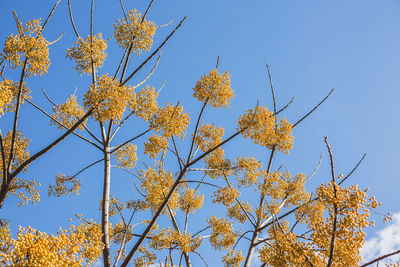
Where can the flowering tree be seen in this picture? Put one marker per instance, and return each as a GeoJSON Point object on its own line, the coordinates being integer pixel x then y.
{"type": "Point", "coordinates": [287, 225]}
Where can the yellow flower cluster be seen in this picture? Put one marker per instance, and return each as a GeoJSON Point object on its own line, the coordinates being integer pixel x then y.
{"type": "Point", "coordinates": [285, 249]}
{"type": "Point", "coordinates": [88, 51]}
{"type": "Point", "coordinates": [189, 201]}
{"type": "Point", "coordinates": [155, 145]}
{"type": "Point", "coordinates": [145, 104]}
{"type": "Point", "coordinates": [126, 156]}
{"type": "Point", "coordinates": [116, 206]}
{"type": "Point", "coordinates": [133, 31]}
{"type": "Point", "coordinates": [247, 171]}
{"type": "Point", "coordinates": [21, 151]}
{"type": "Point", "coordinates": [167, 238]}
{"type": "Point", "coordinates": [5, 242]}
{"type": "Point", "coordinates": [6, 96]}
{"type": "Point", "coordinates": [137, 205]}
{"type": "Point", "coordinates": [220, 167]}
{"type": "Point", "coordinates": [236, 211]}
{"type": "Point", "coordinates": [226, 196]}
{"type": "Point", "coordinates": [233, 258]}
{"type": "Point", "coordinates": [65, 185]}
{"type": "Point", "coordinates": [70, 247]}
{"type": "Point", "coordinates": [157, 183]}
{"type": "Point", "coordinates": [214, 87]}
{"type": "Point", "coordinates": [69, 113]}
{"type": "Point", "coordinates": [170, 121]}
{"type": "Point", "coordinates": [121, 231]}
{"type": "Point", "coordinates": [107, 98]}
{"type": "Point", "coordinates": [147, 259]}
{"type": "Point", "coordinates": [263, 128]}
{"type": "Point", "coordinates": [9, 95]}
{"type": "Point", "coordinates": [29, 43]}
{"type": "Point", "coordinates": [222, 236]}
{"type": "Point", "coordinates": [208, 136]}
{"type": "Point", "coordinates": [25, 190]}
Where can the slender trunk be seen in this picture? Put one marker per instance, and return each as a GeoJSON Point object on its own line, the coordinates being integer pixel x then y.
{"type": "Point", "coordinates": [252, 248]}
{"type": "Point", "coordinates": [188, 263]}
{"type": "Point", "coordinates": [105, 207]}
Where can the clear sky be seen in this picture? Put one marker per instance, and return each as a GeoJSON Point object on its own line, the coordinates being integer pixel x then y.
{"type": "Point", "coordinates": [312, 46]}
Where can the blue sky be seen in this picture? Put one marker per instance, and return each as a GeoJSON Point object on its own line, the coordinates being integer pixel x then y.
{"type": "Point", "coordinates": [311, 46]}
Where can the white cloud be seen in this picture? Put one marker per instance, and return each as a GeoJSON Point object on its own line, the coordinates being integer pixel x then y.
{"type": "Point", "coordinates": [386, 240]}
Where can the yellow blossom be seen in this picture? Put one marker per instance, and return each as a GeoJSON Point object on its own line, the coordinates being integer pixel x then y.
{"type": "Point", "coordinates": [222, 236]}
{"type": "Point", "coordinates": [88, 51]}
{"type": "Point", "coordinates": [233, 258]}
{"type": "Point", "coordinates": [263, 128]}
{"type": "Point", "coordinates": [107, 98]}
{"type": "Point", "coordinates": [133, 31]}
{"type": "Point", "coordinates": [9, 95]}
{"type": "Point", "coordinates": [29, 43]}
{"type": "Point", "coordinates": [214, 87]}
{"type": "Point", "coordinates": [126, 156]}
{"type": "Point", "coordinates": [157, 183]}
{"type": "Point", "coordinates": [69, 113]}
{"type": "Point", "coordinates": [226, 195]}
{"type": "Point", "coordinates": [145, 104]}
{"type": "Point", "coordinates": [189, 202]}
{"type": "Point", "coordinates": [170, 121]}
{"type": "Point", "coordinates": [64, 186]}
{"type": "Point", "coordinates": [155, 145]}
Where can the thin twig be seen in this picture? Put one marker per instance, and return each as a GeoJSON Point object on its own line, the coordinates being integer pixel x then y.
{"type": "Point", "coordinates": [381, 258]}
{"type": "Point", "coordinates": [130, 140]}
{"type": "Point", "coordinates": [311, 111]}
{"type": "Point", "coordinates": [72, 19]}
{"type": "Point", "coordinates": [49, 16]}
{"type": "Point", "coordinates": [271, 85]}
{"type": "Point", "coordinates": [348, 175]}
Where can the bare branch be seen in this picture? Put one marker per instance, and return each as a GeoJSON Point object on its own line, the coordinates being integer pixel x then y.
{"type": "Point", "coordinates": [348, 175]}
{"type": "Point", "coordinates": [271, 85]}
{"type": "Point", "coordinates": [311, 111]}
{"type": "Point", "coordinates": [72, 19]}
{"type": "Point", "coordinates": [49, 16]}
{"type": "Point", "coordinates": [381, 258]}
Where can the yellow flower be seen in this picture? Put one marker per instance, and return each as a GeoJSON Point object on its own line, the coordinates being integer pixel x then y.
{"type": "Point", "coordinates": [222, 236]}
{"type": "Point", "coordinates": [140, 34]}
{"type": "Point", "coordinates": [145, 104]}
{"type": "Point", "coordinates": [170, 121]}
{"type": "Point", "coordinates": [189, 202]}
{"type": "Point", "coordinates": [126, 156]}
{"type": "Point", "coordinates": [69, 113]}
{"type": "Point", "coordinates": [29, 43]}
{"type": "Point", "coordinates": [216, 88]}
{"type": "Point", "coordinates": [84, 52]}
{"type": "Point", "coordinates": [155, 145]}
{"type": "Point", "coordinates": [107, 98]}
{"type": "Point", "coordinates": [263, 128]}
{"type": "Point", "coordinates": [9, 95]}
